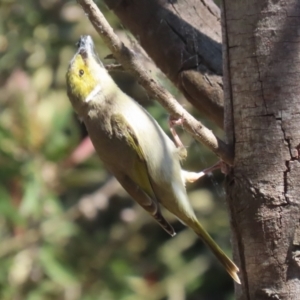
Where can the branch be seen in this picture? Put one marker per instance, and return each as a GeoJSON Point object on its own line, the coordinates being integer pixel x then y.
{"type": "Point", "coordinates": [128, 59]}
{"type": "Point", "coordinates": [184, 40]}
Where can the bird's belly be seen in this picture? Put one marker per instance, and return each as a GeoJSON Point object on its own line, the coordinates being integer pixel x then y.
{"type": "Point", "coordinates": [112, 150]}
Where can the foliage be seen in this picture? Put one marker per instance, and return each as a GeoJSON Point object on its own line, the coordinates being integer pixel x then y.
{"type": "Point", "coordinates": [60, 236]}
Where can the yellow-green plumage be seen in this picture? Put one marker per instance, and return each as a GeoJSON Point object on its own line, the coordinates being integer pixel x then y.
{"type": "Point", "coordinates": [132, 145]}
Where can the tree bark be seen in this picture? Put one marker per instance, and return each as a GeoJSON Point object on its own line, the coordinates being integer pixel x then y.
{"type": "Point", "coordinates": [184, 40]}
{"type": "Point", "coordinates": [262, 94]}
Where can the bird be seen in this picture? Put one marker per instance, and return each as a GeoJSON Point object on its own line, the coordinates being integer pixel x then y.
{"type": "Point", "coordinates": [133, 147]}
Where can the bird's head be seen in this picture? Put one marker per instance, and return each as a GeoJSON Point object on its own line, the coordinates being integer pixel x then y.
{"type": "Point", "coordinates": [86, 74]}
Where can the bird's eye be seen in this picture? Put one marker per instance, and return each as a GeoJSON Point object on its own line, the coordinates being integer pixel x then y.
{"type": "Point", "coordinates": [81, 72]}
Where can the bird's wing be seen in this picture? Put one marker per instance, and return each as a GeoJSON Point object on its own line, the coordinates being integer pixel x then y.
{"type": "Point", "coordinates": [137, 181]}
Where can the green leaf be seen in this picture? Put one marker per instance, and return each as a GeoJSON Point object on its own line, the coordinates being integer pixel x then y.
{"type": "Point", "coordinates": [31, 204]}
{"type": "Point", "coordinates": [54, 268]}
{"type": "Point", "coordinates": [6, 207]}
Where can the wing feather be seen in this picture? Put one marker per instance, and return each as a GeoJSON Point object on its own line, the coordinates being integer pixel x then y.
{"type": "Point", "coordinates": [137, 182]}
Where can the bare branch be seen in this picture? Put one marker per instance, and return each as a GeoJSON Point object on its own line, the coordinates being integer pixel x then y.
{"type": "Point", "coordinates": [128, 59]}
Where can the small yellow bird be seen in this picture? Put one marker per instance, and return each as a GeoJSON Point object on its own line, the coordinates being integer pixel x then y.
{"type": "Point", "coordinates": [132, 145]}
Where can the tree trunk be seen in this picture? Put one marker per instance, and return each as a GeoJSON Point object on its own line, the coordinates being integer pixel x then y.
{"type": "Point", "coordinates": [262, 94]}
{"type": "Point", "coordinates": [184, 40]}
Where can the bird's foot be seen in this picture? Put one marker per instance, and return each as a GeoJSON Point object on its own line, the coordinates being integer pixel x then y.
{"type": "Point", "coordinates": [193, 176]}
{"type": "Point", "coordinates": [172, 123]}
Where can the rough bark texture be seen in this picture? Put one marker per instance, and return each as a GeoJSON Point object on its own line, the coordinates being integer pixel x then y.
{"type": "Point", "coordinates": [263, 46]}
{"type": "Point", "coordinates": [184, 40]}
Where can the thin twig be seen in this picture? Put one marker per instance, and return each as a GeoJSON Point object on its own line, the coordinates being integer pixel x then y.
{"type": "Point", "coordinates": [130, 62]}
{"type": "Point", "coordinates": [114, 67]}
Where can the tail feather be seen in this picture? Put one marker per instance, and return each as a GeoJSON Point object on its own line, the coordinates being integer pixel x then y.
{"type": "Point", "coordinates": [164, 223]}
{"type": "Point", "coordinates": [228, 264]}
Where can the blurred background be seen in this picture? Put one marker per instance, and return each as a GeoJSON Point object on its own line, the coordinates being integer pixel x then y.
{"type": "Point", "coordinates": [67, 229]}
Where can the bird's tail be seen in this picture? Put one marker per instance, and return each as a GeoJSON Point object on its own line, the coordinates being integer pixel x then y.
{"type": "Point", "coordinates": [228, 264]}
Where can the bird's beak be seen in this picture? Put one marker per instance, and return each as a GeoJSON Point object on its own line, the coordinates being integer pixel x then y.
{"type": "Point", "coordinates": [85, 47]}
